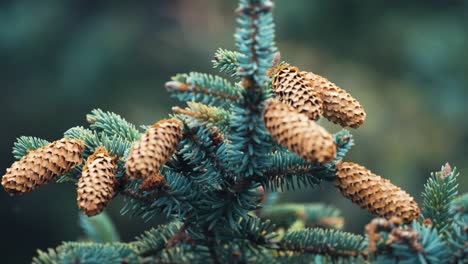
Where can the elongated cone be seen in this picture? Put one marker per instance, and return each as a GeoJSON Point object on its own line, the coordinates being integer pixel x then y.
{"type": "Point", "coordinates": [154, 149]}
{"type": "Point", "coordinates": [42, 166]}
{"type": "Point", "coordinates": [338, 105]}
{"type": "Point", "coordinates": [97, 183]}
{"type": "Point", "coordinates": [293, 89]}
{"type": "Point", "coordinates": [299, 134]}
{"type": "Point", "coordinates": [374, 193]}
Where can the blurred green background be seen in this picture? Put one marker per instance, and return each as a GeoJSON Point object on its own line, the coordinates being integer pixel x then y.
{"type": "Point", "coordinates": [406, 61]}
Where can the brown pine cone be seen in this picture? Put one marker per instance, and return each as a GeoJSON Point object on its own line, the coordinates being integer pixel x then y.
{"type": "Point", "coordinates": [293, 89]}
{"type": "Point", "coordinates": [42, 166]}
{"type": "Point", "coordinates": [338, 105]}
{"type": "Point", "coordinates": [299, 134]}
{"type": "Point", "coordinates": [154, 149]}
{"type": "Point", "coordinates": [156, 181]}
{"type": "Point", "coordinates": [96, 185]}
{"type": "Point", "coordinates": [374, 193]}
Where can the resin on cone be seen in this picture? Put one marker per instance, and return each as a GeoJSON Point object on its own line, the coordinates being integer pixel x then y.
{"type": "Point", "coordinates": [43, 165]}
{"type": "Point", "coordinates": [299, 134]}
{"type": "Point", "coordinates": [293, 89]}
{"type": "Point", "coordinates": [97, 183]}
{"type": "Point", "coordinates": [338, 105]}
{"type": "Point", "coordinates": [374, 193]}
{"type": "Point", "coordinates": [154, 149]}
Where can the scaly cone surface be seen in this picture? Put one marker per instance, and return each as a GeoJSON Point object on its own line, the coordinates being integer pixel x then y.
{"type": "Point", "coordinates": [299, 134]}
{"type": "Point", "coordinates": [42, 166]}
{"type": "Point", "coordinates": [374, 193]}
{"type": "Point", "coordinates": [153, 150]}
{"type": "Point", "coordinates": [339, 106]}
{"type": "Point", "coordinates": [293, 89]}
{"type": "Point", "coordinates": [97, 183]}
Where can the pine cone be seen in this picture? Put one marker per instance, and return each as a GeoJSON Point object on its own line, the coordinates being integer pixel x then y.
{"type": "Point", "coordinates": [374, 193]}
{"type": "Point", "coordinates": [299, 134]}
{"type": "Point", "coordinates": [97, 182]}
{"type": "Point", "coordinates": [338, 105]}
{"type": "Point", "coordinates": [293, 89]}
{"type": "Point", "coordinates": [42, 166]}
{"type": "Point", "coordinates": [154, 149]}
{"type": "Point", "coordinates": [156, 181]}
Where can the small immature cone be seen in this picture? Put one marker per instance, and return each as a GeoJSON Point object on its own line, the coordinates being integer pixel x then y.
{"type": "Point", "coordinates": [299, 134]}
{"type": "Point", "coordinates": [338, 105]}
{"type": "Point", "coordinates": [42, 166]}
{"type": "Point", "coordinates": [97, 183]}
{"type": "Point", "coordinates": [154, 149]}
{"type": "Point", "coordinates": [374, 193]}
{"type": "Point", "coordinates": [293, 89]}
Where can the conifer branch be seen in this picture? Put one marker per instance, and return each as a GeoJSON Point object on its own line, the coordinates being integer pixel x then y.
{"type": "Point", "coordinates": [112, 124]}
{"type": "Point", "coordinates": [226, 61]}
{"type": "Point", "coordinates": [309, 215]}
{"type": "Point", "coordinates": [459, 209]}
{"type": "Point", "coordinates": [255, 41]}
{"type": "Point", "coordinates": [439, 192]}
{"type": "Point", "coordinates": [24, 144]}
{"type": "Point", "coordinates": [318, 241]}
{"type": "Point", "coordinates": [205, 115]}
{"type": "Point", "coordinates": [155, 240]}
{"type": "Point", "coordinates": [77, 252]}
{"type": "Point", "coordinates": [389, 241]}
{"type": "Point", "coordinates": [203, 88]}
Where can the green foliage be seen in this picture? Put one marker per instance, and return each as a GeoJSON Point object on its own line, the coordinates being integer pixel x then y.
{"type": "Point", "coordinates": [115, 144]}
{"type": "Point", "coordinates": [25, 144]}
{"type": "Point", "coordinates": [90, 138]}
{"type": "Point", "coordinates": [459, 208]}
{"type": "Point", "coordinates": [199, 155]}
{"type": "Point", "coordinates": [458, 243]}
{"type": "Point", "coordinates": [310, 215]}
{"type": "Point", "coordinates": [328, 242]}
{"type": "Point", "coordinates": [255, 19]}
{"type": "Point", "coordinates": [226, 61]}
{"type": "Point", "coordinates": [458, 235]}
{"type": "Point", "coordinates": [247, 155]}
{"type": "Point", "coordinates": [439, 192]}
{"type": "Point", "coordinates": [156, 239]}
{"type": "Point", "coordinates": [344, 141]}
{"type": "Point", "coordinates": [203, 88]}
{"type": "Point", "coordinates": [228, 206]}
{"type": "Point", "coordinates": [255, 231]}
{"type": "Point", "coordinates": [99, 228]}
{"type": "Point", "coordinates": [415, 244]}
{"type": "Point", "coordinates": [287, 171]}
{"type": "Point", "coordinates": [199, 114]}
{"type": "Point", "coordinates": [112, 125]}
{"type": "Point", "coordinates": [176, 202]}
{"type": "Point", "coordinates": [441, 235]}
{"type": "Point", "coordinates": [88, 253]}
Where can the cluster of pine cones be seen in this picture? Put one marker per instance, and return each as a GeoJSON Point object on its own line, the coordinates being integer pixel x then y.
{"type": "Point", "coordinates": [304, 97]}
{"type": "Point", "coordinates": [301, 99]}
{"type": "Point", "coordinates": [98, 182]}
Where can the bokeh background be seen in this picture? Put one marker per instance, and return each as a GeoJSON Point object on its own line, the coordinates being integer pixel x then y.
{"type": "Point", "coordinates": [406, 61]}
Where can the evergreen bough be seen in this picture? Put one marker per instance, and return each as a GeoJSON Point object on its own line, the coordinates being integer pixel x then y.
{"type": "Point", "coordinates": [214, 169]}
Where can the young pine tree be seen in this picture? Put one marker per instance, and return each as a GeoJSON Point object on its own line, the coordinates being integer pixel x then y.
{"type": "Point", "coordinates": [214, 167]}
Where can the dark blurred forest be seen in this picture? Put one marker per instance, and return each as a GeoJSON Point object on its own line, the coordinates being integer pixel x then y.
{"type": "Point", "coordinates": [406, 62]}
